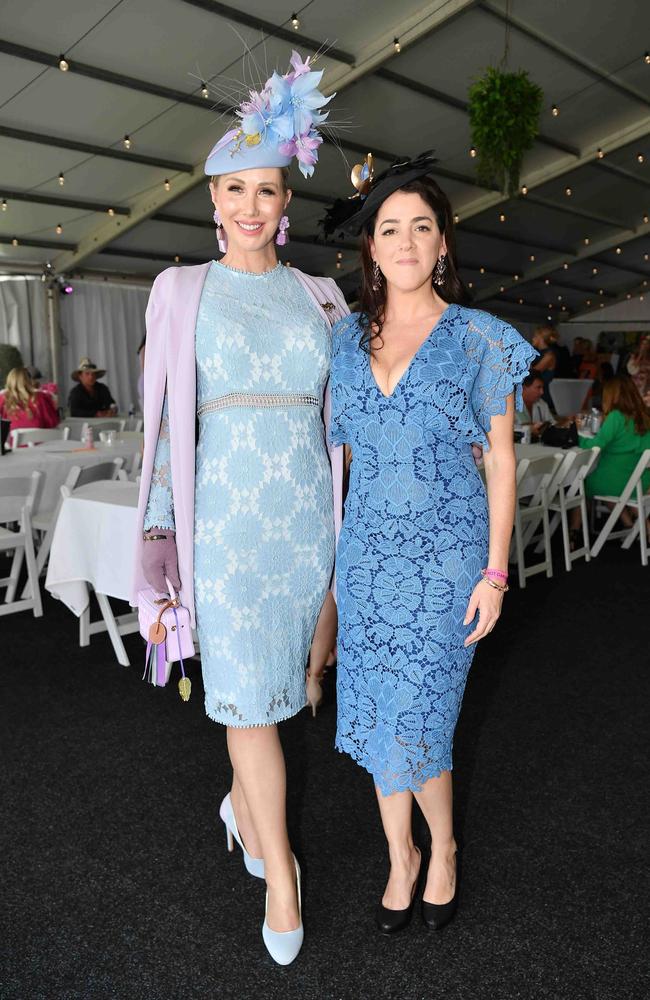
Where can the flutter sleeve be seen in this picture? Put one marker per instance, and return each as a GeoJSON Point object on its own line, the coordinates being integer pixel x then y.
{"type": "Point", "coordinates": [503, 360]}
{"type": "Point", "coordinates": [159, 512]}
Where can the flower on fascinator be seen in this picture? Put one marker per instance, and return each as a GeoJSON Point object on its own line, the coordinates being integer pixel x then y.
{"type": "Point", "coordinates": [299, 67]}
{"type": "Point", "coordinates": [266, 113]}
{"type": "Point", "coordinates": [303, 147]}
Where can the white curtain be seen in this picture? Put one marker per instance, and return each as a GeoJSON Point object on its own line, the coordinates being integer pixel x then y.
{"type": "Point", "coordinates": [104, 322]}
{"type": "Point", "coordinates": [23, 319]}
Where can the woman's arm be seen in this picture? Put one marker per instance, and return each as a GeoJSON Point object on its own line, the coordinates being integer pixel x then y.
{"type": "Point", "coordinates": [610, 429]}
{"type": "Point", "coordinates": [500, 469]}
{"type": "Point", "coordinates": [544, 364]}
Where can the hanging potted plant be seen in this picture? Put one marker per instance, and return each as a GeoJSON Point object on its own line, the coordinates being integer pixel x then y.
{"type": "Point", "coordinates": [504, 110]}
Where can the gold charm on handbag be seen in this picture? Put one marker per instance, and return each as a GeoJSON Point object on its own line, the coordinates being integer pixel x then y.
{"type": "Point", "coordinates": [185, 688]}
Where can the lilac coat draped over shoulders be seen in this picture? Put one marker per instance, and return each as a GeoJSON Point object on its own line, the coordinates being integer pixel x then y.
{"type": "Point", "coordinates": [171, 363]}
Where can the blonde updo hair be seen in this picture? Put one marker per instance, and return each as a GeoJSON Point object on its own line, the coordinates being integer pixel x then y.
{"type": "Point", "coordinates": [20, 392]}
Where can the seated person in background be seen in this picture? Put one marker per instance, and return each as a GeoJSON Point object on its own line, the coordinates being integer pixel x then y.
{"type": "Point", "coordinates": [90, 398]}
{"type": "Point", "coordinates": [543, 340]}
{"type": "Point", "coordinates": [605, 372]}
{"type": "Point", "coordinates": [536, 410]}
{"type": "Point", "coordinates": [24, 405]}
{"type": "Point", "coordinates": [622, 438]}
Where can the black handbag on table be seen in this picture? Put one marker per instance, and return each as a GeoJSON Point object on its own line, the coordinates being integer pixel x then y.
{"type": "Point", "coordinates": [560, 437]}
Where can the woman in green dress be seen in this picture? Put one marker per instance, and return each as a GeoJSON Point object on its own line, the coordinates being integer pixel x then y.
{"type": "Point", "coordinates": [622, 439]}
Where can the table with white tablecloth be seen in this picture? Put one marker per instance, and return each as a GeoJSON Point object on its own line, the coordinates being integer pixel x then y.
{"type": "Point", "coordinates": [56, 458]}
{"type": "Point", "coordinates": [93, 545]}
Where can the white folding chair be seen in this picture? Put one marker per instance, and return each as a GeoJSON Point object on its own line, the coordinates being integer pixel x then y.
{"type": "Point", "coordinates": [571, 495]}
{"type": "Point", "coordinates": [18, 497]}
{"type": "Point", "coordinates": [532, 482]}
{"type": "Point", "coordinates": [35, 435]}
{"type": "Point", "coordinates": [560, 476]}
{"type": "Point", "coordinates": [133, 424]}
{"type": "Point", "coordinates": [94, 474]}
{"type": "Point", "coordinates": [136, 459]}
{"type": "Point", "coordinates": [633, 497]}
{"type": "Point", "coordinates": [103, 424]}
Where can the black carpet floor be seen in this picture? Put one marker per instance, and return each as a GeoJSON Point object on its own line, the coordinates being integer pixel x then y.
{"type": "Point", "coordinates": [116, 881]}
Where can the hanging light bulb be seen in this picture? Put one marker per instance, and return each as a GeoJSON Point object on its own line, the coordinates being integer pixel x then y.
{"type": "Point", "coordinates": [396, 45]}
{"type": "Point", "coordinates": [177, 259]}
{"type": "Point", "coordinates": [640, 157]}
{"type": "Point", "coordinates": [4, 205]}
{"type": "Point", "coordinates": [600, 291]}
{"type": "Point", "coordinates": [501, 288]}
{"type": "Point", "coordinates": [481, 270]}
{"type": "Point", "coordinates": [594, 270]}
{"type": "Point", "coordinates": [599, 153]}
{"type": "Point", "coordinates": [295, 22]}
{"type": "Point", "coordinates": [568, 192]}
{"type": "Point", "coordinates": [559, 298]}
{"type": "Point", "coordinates": [549, 318]}
{"type": "Point", "coordinates": [645, 218]}
{"type": "Point", "coordinates": [61, 180]}
{"type": "Point", "coordinates": [532, 258]}
{"type": "Point", "coordinates": [167, 186]}
{"type": "Point", "coordinates": [472, 151]}
{"type": "Point", "coordinates": [338, 265]}
{"type": "Point", "coordinates": [619, 250]}
{"type": "Point", "coordinates": [339, 256]}
{"type": "Point", "coordinates": [547, 281]}
{"type": "Point", "coordinates": [126, 141]}
{"type": "Point", "coordinates": [555, 111]}
{"type": "Point", "coordinates": [111, 211]}
{"type": "Point", "coordinates": [640, 298]}
{"type": "Point", "coordinates": [515, 277]}
{"type": "Point", "coordinates": [204, 89]}
{"type": "Point", "coordinates": [645, 256]}
{"type": "Point", "coordinates": [502, 217]}
{"type": "Point", "coordinates": [646, 58]}
{"type": "Point", "coordinates": [456, 217]}
{"type": "Point", "coordinates": [64, 65]}
{"type": "Point", "coordinates": [602, 305]}
{"type": "Point", "coordinates": [14, 242]}
{"type": "Point", "coordinates": [628, 296]}
{"type": "Point", "coordinates": [470, 284]}
{"type": "Point", "coordinates": [586, 241]}
{"type": "Point", "coordinates": [524, 189]}
{"type": "Point", "coordinates": [59, 229]}
{"type": "Point", "coordinates": [565, 266]}
{"type": "Point", "coordinates": [521, 302]}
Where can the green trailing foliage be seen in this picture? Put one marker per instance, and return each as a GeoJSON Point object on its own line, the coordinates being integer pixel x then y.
{"type": "Point", "coordinates": [504, 110]}
{"type": "Point", "coordinates": [10, 357]}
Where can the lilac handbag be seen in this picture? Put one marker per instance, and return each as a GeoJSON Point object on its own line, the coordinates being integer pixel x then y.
{"type": "Point", "coordinates": [165, 624]}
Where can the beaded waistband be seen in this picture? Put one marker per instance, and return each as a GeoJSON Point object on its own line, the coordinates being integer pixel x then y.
{"type": "Point", "coordinates": [257, 400]}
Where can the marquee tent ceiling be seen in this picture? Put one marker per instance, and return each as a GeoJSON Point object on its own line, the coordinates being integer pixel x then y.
{"type": "Point", "coordinates": [136, 68]}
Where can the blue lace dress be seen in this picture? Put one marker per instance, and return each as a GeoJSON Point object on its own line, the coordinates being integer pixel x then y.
{"type": "Point", "coordinates": [414, 537]}
{"type": "Point", "coordinates": [264, 520]}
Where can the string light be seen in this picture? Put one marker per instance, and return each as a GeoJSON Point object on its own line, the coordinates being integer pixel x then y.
{"type": "Point", "coordinates": [646, 219]}
{"type": "Point", "coordinates": [339, 256]}
{"type": "Point", "coordinates": [295, 22]}
{"type": "Point", "coordinates": [481, 270]}
{"type": "Point", "coordinates": [559, 298]}
{"type": "Point", "coordinates": [602, 305]}
{"type": "Point", "coordinates": [565, 266]}
{"type": "Point", "coordinates": [550, 306]}
{"type": "Point", "coordinates": [549, 318]}
{"type": "Point", "coordinates": [599, 153]}
{"type": "Point", "coordinates": [4, 205]}
{"type": "Point", "coordinates": [640, 157]}
{"type": "Point", "coordinates": [646, 58]}
{"type": "Point", "coordinates": [618, 250]}
{"type": "Point", "coordinates": [502, 218]}
{"type": "Point", "coordinates": [126, 141]}
{"type": "Point", "coordinates": [594, 270]}
{"type": "Point", "coordinates": [501, 288]}
{"type": "Point", "coordinates": [204, 90]}
{"type": "Point", "coordinates": [600, 291]}
{"type": "Point", "coordinates": [516, 277]}
{"type": "Point", "coordinates": [396, 45]}
{"type": "Point", "coordinates": [547, 281]}
{"type": "Point", "coordinates": [111, 211]}
{"type": "Point", "coordinates": [640, 298]}
{"type": "Point", "coordinates": [588, 302]}
{"type": "Point", "coordinates": [456, 217]}
{"type": "Point", "coordinates": [645, 256]}
{"type": "Point", "coordinates": [338, 265]}
{"type": "Point", "coordinates": [532, 258]}
{"type": "Point", "coordinates": [520, 301]}
{"type": "Point", "coordinates": [64, 65]}
{"type": "Point", "coordinates": [287, 263]}
{"type": "Point", "coordinates": [14, 242]}
{"type": "Point", "coordinates": [555, 111]}
{"type": "Point", "coordinates": [470, 284]}
{"type": "Point", "coordinates": [524, 189]}
{"type": "Point", "coordinates": [177, 259]}
{"type": "Point", "coordinates": [59, 229]}
{"type": "Point", "coordinates": [167, 186]}
{"type": "Point", "coordinates": [628, 296]}
{"type": "Point", "coordinates": [472, 151]}
{"type": "Point", "coordinates": [568, 192]}
{"type": "Point", "coordinates": [586, 241]}
{"type": "Point", "coordinates": [61, 180]}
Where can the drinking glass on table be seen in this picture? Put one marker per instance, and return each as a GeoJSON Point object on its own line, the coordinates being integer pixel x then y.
{"type": "Point", "coordinates": [111, 437]}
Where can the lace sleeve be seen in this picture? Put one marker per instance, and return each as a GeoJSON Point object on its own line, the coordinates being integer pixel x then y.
{"type": "Point", "coordinates": [504, 359]}
{"type": "Point", "coordinates": [160, 505]}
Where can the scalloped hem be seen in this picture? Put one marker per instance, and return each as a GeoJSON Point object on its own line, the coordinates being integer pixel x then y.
{"type": "Point", "coordinates": [435, 772]}
{"type": "Point", "coordinates": [253, 725]}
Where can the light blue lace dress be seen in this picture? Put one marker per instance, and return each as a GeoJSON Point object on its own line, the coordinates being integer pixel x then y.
{"type": "Point", "coordinates": [264, 524]}
{"type": "Point", "coordinates": [414, 537]}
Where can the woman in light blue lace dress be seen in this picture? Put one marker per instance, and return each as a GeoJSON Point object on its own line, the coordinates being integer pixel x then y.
{"type": "Point", "coordinates": [252, 512]}
{"type": "Point", "coordinates": [417, 379]}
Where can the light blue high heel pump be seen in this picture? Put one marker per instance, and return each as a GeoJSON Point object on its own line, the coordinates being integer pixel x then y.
{"type": "Point", "coordinates": [253, 865]}
{"type": "Point", "coordinates": [283, 946]}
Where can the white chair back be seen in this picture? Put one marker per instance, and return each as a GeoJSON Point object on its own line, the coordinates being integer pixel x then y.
{"type": "Point", "coordinates": [35, 435]}
{"type": "Point", "coordinates": [92, 474]}
{"type": "Point", "coordinates": [19, 496]}
{"type": "Point", "coordinates": [641, 501]}
{"type": "Point", "coordinates": [18, 493]}
{"type": "Point", "coordinates": [133, 424]}
{"type": "Point", "coordinates": [103, 424]}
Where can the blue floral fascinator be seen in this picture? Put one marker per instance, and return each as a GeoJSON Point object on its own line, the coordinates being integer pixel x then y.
{"type": "Point", "coordinates": [275, 124]}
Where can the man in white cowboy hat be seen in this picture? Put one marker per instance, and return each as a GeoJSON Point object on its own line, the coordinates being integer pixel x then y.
{"type": "Point", "coordinates": [90, 398]}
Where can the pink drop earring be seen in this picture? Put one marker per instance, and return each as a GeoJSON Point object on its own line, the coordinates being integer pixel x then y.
{"type": "Point", "coordinates": [282, 236]}
{"type": "Point", "coordinates": [222, 238]}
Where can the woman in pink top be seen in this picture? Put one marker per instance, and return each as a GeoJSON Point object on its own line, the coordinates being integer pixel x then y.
{"type": "Point", "coordinates": [24, 405]}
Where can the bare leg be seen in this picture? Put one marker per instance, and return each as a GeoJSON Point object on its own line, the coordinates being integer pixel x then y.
{"type": "Point", "coordinates": [258, 762]}
{"type": "Point", "coordinates": [435, 801]}
{"type": "Point", "coordinates": [396, 813]}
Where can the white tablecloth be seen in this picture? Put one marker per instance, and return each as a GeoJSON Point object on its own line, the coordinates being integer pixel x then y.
{"type": "Point", "coordinates": [56, 458]}
{"type": "Point", "coordinates": [94, 543]}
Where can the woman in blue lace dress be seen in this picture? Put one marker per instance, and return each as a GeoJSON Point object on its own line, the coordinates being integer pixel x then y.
{"type": "Point", "coordinates": [417, 378]}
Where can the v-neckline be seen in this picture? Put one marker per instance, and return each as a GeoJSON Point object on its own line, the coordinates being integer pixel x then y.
{"type": "Point", "coordinates": [404, 374]}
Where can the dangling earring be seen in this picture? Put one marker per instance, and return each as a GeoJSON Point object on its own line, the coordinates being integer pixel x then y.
{"type": "Point", "coordinates": [440, 270]}
{"type": "Point", "coordinates": [282, 236]}
{"type": "Point", "coordinates": [222, 238]}
{"type": "Point", "coordinates": [376, 276]}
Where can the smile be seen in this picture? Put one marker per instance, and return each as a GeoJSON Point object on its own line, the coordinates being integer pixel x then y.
{"type": "Point", "coordinates": [409, 260]}
{"type": "Point", "coordinates": [250, 227]}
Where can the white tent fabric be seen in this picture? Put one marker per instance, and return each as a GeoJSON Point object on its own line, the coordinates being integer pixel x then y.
{"type": "Point", "coordinates": [23, 321]}
{"type": "Point", "coordinates": [104, 322]}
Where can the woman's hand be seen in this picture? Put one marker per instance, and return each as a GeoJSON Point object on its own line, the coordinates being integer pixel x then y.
{"type": "Point", "coordinates": [487, 601]}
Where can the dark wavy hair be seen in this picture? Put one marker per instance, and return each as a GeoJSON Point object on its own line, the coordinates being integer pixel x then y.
{"type": "Point", "coordinates": [372, 304]}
